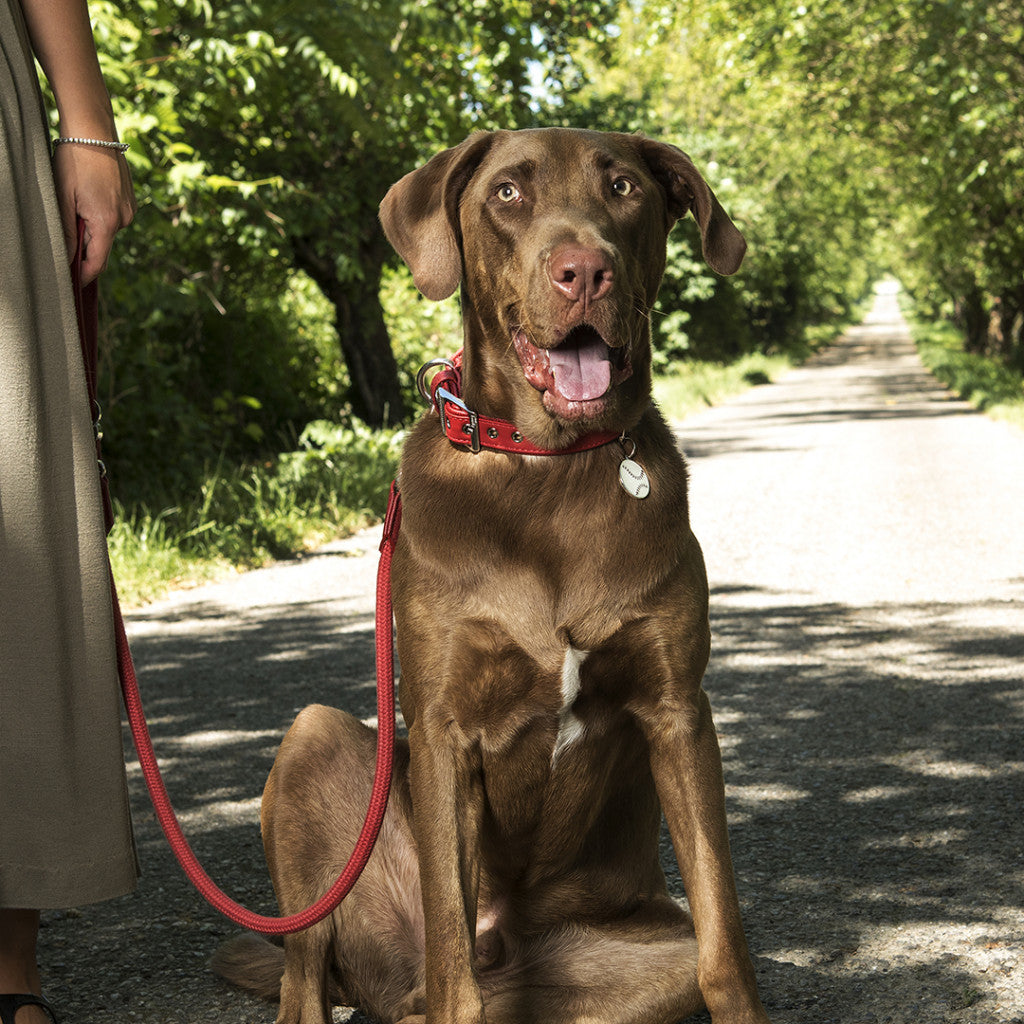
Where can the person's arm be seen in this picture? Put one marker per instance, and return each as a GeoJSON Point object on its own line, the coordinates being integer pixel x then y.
{"type": "Point", "coordinates": [92, 182]}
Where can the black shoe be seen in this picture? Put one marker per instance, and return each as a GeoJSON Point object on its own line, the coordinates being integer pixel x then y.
{"type": "Point", "coordinates": [9, 1006]}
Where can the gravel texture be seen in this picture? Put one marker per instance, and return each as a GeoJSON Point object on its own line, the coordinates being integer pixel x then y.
{"type": "Point", "coordinates": [863, 536]}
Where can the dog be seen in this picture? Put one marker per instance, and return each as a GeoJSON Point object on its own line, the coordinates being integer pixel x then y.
{"type": "Point", "coordinates": [552, 630]}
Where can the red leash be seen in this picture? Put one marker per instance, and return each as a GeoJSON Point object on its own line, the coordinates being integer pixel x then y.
{"type": "Point", "coordinates": [86, 305]}
{"type": "Point", "coordinates": [381, 781]}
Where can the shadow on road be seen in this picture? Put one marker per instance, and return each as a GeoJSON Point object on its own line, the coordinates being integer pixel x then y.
{"type": "Point", "coordinates": [874, 774]}
{"type": "Point", "coordinates": [874, 769]}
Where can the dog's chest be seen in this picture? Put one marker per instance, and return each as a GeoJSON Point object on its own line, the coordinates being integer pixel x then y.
{"type": "Point", "coordinates": [569, 732]}
{"type": "Point", "coordinates": [571, 726]}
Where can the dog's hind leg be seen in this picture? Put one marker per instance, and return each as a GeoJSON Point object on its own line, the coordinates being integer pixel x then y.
{"type": "Point", "coordinates": [597, 975]}
{"type": "Point", "coordinates": [313, 810]}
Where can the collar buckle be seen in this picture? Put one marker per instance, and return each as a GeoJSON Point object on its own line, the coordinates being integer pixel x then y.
{"type": "Point", "coordinates": [471, 428]}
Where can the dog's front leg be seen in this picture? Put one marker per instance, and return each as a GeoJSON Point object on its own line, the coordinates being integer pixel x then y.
{"type": "Point", "coordinates": [447, 794]}
{"type": "Point", "coordinates": [687, 767]}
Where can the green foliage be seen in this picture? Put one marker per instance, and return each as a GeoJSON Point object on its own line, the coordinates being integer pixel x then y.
{"type": "Point", "coordinates": [694, 384]}
{"type": "Point", "coordinates": [335, 481]}
{"type": "Point", "coordinates": [805, 199]}
{"type": "Point", "coordinates": [844, 138]}
{"type": "Point", "coordinates": [147, 556]}
{"type": "Point", "coordinates": [192, 382]}
{"type": "Point", "coordinates": [244, 301]}
{"type": "Point", "coordinates": [338, 477]}
{"type": "Point", "coordinates": [420, 330]}
{"type": "Point", "coordinates": [933, 94]}
{"type": "Point", "coordinates": [984, 382]}
{"type": "Point", "coordinates": [340, 469]}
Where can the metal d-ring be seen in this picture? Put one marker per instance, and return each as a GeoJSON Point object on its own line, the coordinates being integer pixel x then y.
{"type": "Point", "coordinates": [422, 376]}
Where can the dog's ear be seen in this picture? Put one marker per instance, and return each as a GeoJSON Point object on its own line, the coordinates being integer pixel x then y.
{"type": "Point", "coordinates": [420, 215]}
{"type": "Point", "coordinates": [685, 189]}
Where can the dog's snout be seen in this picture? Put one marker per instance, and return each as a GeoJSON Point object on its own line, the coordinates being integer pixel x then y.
{"type": "Point", "coordinates": [581, 272]}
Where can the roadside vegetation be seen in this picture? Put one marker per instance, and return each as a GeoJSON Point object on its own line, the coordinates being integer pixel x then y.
{"type": "Point", "coordinates": [336, 483]}
{"type": "Point", "coordinates": [259, 341]}
{"type": "Point", "coordinates": [986, 383]}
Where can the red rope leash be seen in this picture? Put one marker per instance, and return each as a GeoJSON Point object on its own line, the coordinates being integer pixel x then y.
{"type": "Point", "coordinates": [86, 307]}
{"type": "Point", "coordinates": [382, 775]}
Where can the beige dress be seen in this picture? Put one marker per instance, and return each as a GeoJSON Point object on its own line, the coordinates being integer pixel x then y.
{"type": "Point", "coordinates": [65, 830]}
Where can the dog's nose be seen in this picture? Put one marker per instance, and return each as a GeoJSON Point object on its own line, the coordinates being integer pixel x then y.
{"type": "Point", "coordinates": [581, 272]}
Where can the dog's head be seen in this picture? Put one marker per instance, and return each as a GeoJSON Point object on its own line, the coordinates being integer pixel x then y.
{"type": "Point", "coordinates": [558, 237]}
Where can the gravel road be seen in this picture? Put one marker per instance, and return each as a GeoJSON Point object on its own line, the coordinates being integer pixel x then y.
{"type": "Point", "coordinates": [863, 536]}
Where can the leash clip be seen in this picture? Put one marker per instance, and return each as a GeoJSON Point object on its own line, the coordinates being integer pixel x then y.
{"type": "Point", "coordinates": [472, 428]}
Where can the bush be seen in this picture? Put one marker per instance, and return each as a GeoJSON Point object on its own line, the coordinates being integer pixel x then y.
{"type": "Point", "coordinates": [334, 483]}
{"type": "Point", "coordinates": [984, 382]}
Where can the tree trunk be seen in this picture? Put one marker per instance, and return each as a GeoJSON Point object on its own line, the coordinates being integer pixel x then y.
{"type": "Point", "coordinates": [376, 394]}
{"type": "Point", "coordinates": [1011, 328]}
{"type": "Point", "coordinates": [971, 316]}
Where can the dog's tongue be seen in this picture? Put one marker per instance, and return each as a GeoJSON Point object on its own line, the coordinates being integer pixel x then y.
{"type": "Point", "coordinates": [582, 372]}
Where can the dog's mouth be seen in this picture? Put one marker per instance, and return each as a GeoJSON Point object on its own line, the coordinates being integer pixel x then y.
{"type": "Point", "coordinates": [577, 374]}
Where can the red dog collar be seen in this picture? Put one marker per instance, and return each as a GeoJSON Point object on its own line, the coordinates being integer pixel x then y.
{"type": "Point", "coordinates": [468, 429]}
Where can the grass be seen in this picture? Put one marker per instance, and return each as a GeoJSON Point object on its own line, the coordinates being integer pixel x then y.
{"type": "Point", "coordinates": [336, 482]}
{"type": "Point", "coordinates": [696, 385]}
{"type": "Point", "coordinates": [985, 383]}
{"type": "Point", "coordinates": [147, 557]}
{"type": "Point", "coordinates": [692, 385]}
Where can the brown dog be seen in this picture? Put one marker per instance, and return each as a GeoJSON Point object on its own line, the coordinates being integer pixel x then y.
{"type": "Point", "coordinates": [552, 631]}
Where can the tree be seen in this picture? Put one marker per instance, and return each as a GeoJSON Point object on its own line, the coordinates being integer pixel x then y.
{"type": "Point", "coordinates": [263, 137]}
{"type": "Point", "coordinates": [803, 192]}
{"type": "Point", "coordinates": [936, 90]}
{"type": "Point", "coordinates": [319, 108]}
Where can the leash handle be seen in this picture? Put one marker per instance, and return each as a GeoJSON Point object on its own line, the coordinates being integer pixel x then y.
{"type": "Point", "coordinates": [87, 313]}
{"type": "Point", "coordinates": [86, 305]}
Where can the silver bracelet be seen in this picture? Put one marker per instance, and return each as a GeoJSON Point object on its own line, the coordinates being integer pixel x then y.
{"type": "Point", "coordinates": [121, 147]}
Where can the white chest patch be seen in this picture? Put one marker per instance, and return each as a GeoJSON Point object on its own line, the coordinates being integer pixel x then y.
{"type": "Point", "coordinates": [570, 728]}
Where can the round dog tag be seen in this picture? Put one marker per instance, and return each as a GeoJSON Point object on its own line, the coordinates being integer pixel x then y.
{"type": "Point", "coordinates": [633, 479]}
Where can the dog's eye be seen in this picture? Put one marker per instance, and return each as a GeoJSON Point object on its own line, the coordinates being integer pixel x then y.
{"type": "Point", "coordinates": [508, 193]}
{"type": "Point", "coordinates": [622, 186]}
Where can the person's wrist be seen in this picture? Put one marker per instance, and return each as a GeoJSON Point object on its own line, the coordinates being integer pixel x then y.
{"type": "Point", "coordinates": [88, 120]}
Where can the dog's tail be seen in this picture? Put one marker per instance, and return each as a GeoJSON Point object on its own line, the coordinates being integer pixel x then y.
{"type": "Point", "coordinates": [251, 962]}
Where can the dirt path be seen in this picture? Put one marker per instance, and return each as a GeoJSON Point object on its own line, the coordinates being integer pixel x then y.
{"type": "Point", "coordinates": [864, 545]}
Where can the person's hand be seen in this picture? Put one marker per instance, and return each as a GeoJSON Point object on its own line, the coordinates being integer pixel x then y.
{"type": "Point", "coordinates": [94, 184]}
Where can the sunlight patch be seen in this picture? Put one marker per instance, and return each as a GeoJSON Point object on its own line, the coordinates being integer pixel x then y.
{"type": "Point", "coordinates": [872, 793]}
{"type": "Point", "coordinates": [223, 737]}
{"type": "Point", "coordinates": [758, 794]}
{"type": "Point", "coordinates": [944, 769]}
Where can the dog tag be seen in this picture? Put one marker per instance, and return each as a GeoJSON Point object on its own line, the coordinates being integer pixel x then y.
{"type": "Point", "coordinates": [633, 479]}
